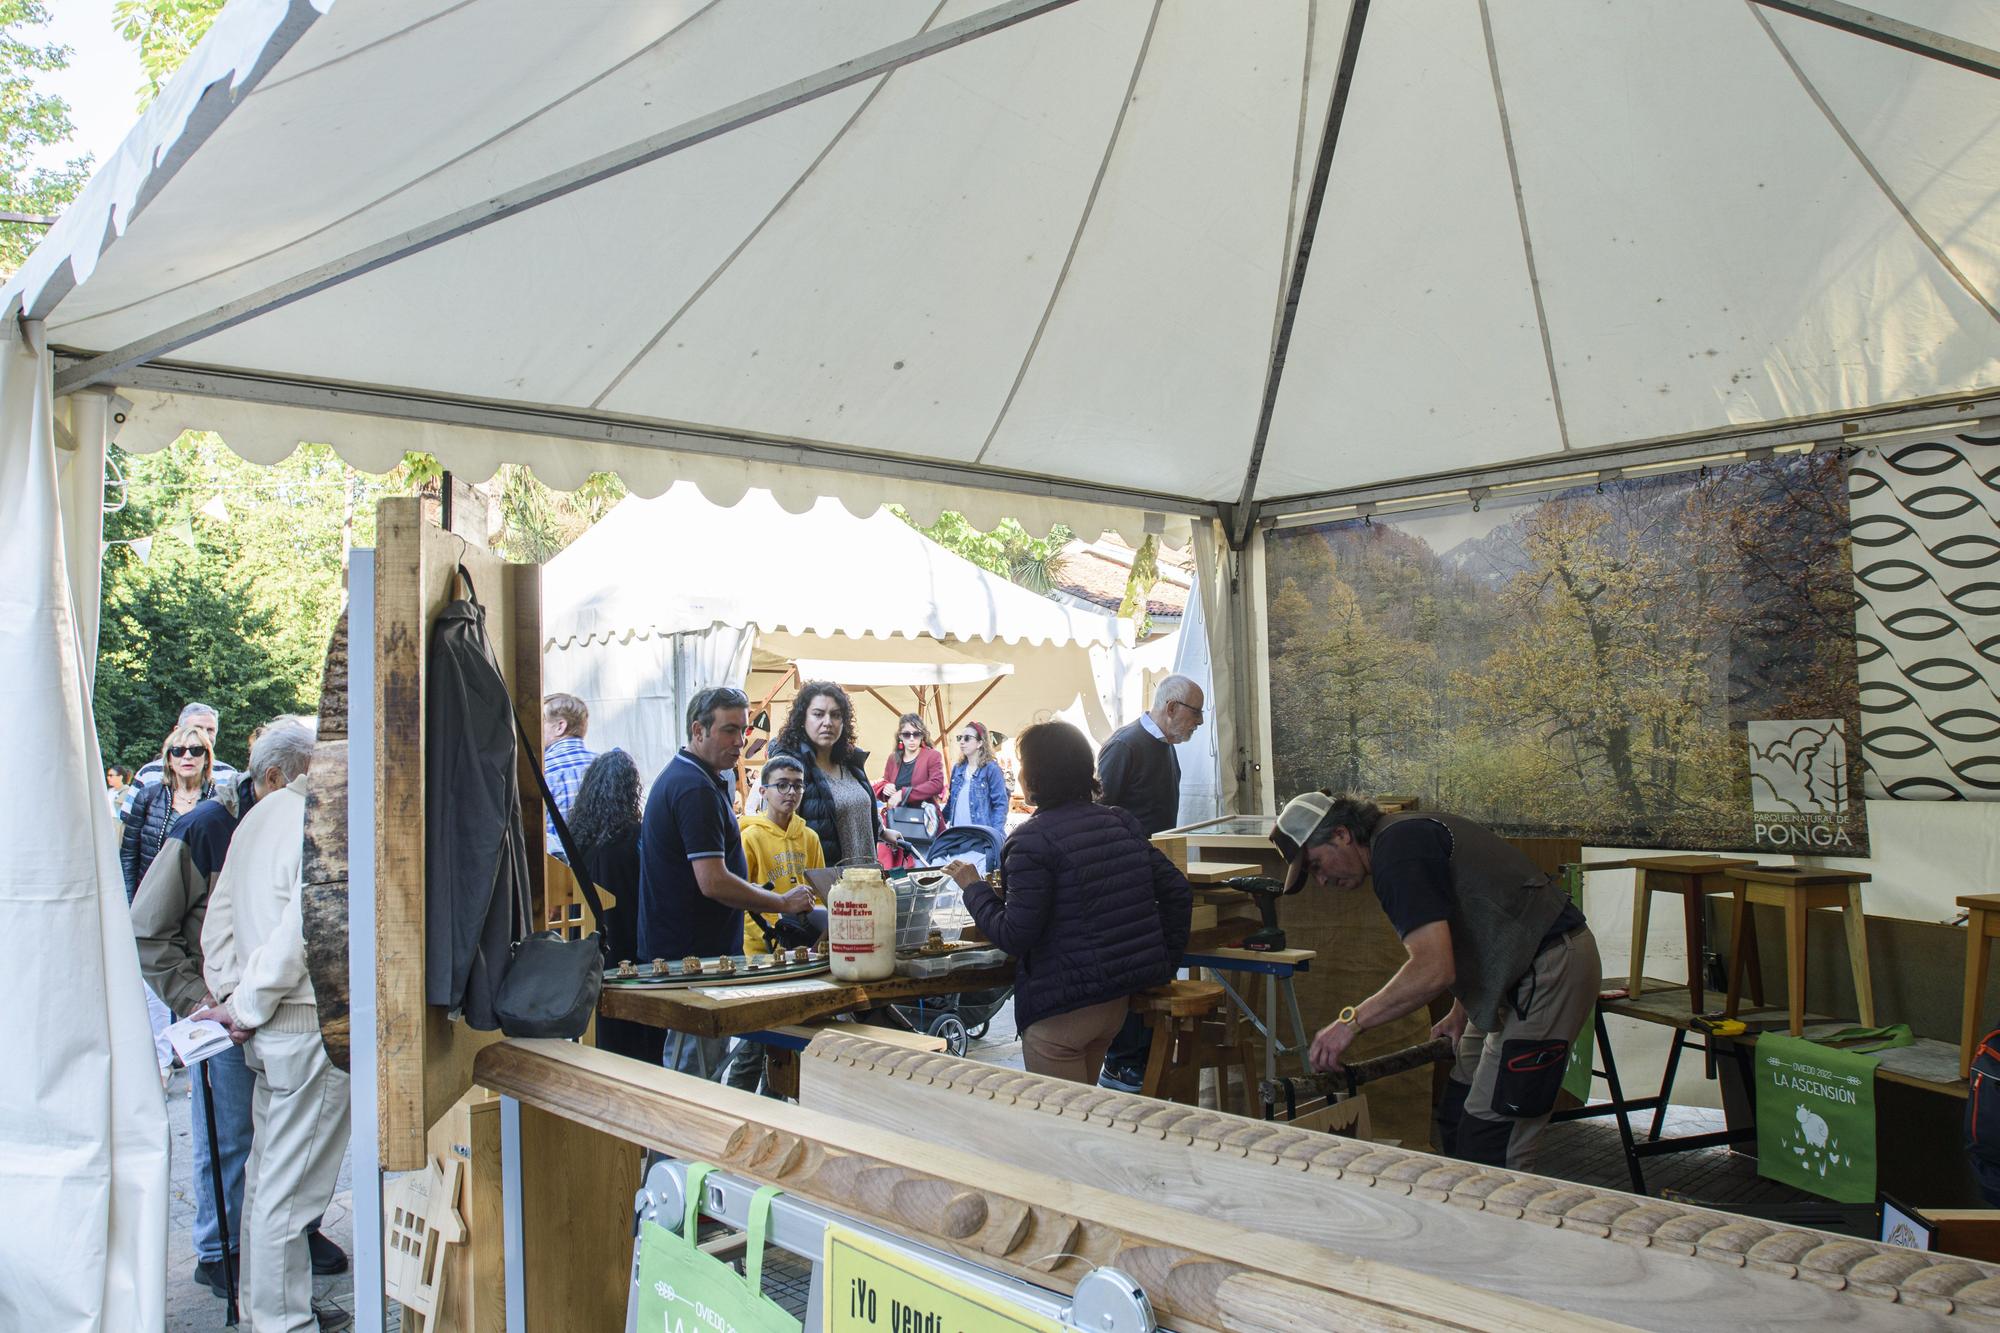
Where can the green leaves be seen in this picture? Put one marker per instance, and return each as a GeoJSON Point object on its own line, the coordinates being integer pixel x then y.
{"type": "Point", "coordinates": [31, 121]}
{"type": "Point", "coordinates": [166, 33]}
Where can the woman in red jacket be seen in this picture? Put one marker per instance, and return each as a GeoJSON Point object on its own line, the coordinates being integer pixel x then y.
{"type": "Point", "coordinates": [914, 777]}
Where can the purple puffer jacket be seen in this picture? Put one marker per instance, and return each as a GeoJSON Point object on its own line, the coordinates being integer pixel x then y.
{"type": "Point", "coordinates": [1093, 911]}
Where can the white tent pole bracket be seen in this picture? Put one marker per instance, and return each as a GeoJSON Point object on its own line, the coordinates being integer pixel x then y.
{"type": "Point", "coordinates": [534, 419]}
{"type": "Point", "coordinates": [1948, 415]}
{"type": "Point", "coordinates": [1893, 32]}
{"type": "Point", "coordinates": [522, 198]}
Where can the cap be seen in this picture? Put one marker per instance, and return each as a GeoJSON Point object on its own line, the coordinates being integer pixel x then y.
{"type": "Point", "coordinates": [1296, 824]}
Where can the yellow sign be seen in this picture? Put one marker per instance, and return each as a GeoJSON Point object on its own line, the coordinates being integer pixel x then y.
{"type": "Point", "coordinates": [872, 1288]}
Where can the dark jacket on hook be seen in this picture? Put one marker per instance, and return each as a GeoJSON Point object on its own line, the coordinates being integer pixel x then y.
{"type": "Point", "coordinates": [475, 852]}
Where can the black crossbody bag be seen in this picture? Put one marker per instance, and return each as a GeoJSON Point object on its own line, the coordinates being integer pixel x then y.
{"type": "Point", "coordinates": [552, 983]}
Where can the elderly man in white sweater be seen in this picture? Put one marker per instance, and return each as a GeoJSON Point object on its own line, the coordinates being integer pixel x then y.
{"type": "Point", "coordinates": [254, 958]}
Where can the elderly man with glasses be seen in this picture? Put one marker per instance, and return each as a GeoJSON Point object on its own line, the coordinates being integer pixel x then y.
{"type": "Point", "coordinates": [1141, 774]}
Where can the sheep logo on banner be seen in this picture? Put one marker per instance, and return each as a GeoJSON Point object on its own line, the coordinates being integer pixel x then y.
{"type": "Point", "coordinates": [1799, 788]}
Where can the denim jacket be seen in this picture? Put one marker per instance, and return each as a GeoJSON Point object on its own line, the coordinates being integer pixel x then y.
{"type": "Point", "coordinates": [988, 799]}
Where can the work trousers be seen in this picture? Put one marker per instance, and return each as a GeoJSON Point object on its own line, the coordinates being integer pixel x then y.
{"type": "Point", "coordinates": [234, 1086]}
{"type": "Point", "coordinates": [1072, 1045]}
{"type": "Point", "coordinates": [301, 1117]}
{"type": "Point", "coordinates": [745, 1067]}
{"type": "Point", "coordinates": [1504, 1084]}
{"type": "Point", "coordinates": [699, 1056]}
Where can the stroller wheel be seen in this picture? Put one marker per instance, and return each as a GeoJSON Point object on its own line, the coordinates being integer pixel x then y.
{"type": "Point", "coordinates": [978, 1030]}
{"type": "Point", "coordinates": [952, 1028]}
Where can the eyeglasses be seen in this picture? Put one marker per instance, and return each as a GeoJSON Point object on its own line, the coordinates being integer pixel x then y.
{"type": "Point", "coordinates": [786, 786]}
{"type": "Point", "coordinates": [1190, 707]}
{"type": "Point", "coordinates": [187, 752]}
{"type": "Point", "coordinates": [969, 738]}
{"type": "Point", "coordinates": [910, 735]}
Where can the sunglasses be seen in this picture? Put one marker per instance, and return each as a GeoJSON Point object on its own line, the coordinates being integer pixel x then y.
{"type": "Point", "coordinates": [187, 751]}
{"type": "Point", "coordinates": [910, 735]}
{"type": "Point", "coordinates": [786, 786]}
{"type": "Point", "coordinates": [969, 738]}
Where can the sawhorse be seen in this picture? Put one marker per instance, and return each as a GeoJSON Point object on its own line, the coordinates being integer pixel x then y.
{"type": "Point", "coordinates": [1277, 967]}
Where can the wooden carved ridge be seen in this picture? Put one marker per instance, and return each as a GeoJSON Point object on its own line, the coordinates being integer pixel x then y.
{"type": "Point", "coordinates": [1200, 1274]}
{"type": "Point", "coordinates": [1939, 1283]}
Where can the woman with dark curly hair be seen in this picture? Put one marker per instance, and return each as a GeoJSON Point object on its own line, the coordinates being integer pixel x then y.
{"type": "Point", "coordinates": [604, 825]}
{"type": "Point", "coordinates": [1089, 907]}
{"type": "Point", "coordinates": [839, 803]}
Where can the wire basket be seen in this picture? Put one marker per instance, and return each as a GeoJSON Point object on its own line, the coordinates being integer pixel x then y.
{"type": "Point", "coordinates": [916, 900]}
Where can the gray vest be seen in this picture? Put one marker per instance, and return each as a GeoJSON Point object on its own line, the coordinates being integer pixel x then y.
{"type": "Point", "coordinates": [1503, 906]}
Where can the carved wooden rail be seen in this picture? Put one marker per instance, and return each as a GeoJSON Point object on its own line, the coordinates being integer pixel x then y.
{"type": "Point", "coordinates": [963, 1101]}
{"type": "Point", "coordinates": [1200, 1273]}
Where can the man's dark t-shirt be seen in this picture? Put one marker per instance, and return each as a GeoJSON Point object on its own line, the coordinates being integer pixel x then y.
{"type": "Point", "coordinates": [688, 818]}
{"type": "Point", "coordinates": [1410, 862]}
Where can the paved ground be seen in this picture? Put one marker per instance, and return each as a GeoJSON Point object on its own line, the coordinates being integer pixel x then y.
{"type": "Point", "coordinates": [1588, 1152]}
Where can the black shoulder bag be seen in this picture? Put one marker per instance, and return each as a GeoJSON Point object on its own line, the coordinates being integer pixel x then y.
{"type": "Point", "coordinates": [552, 983]}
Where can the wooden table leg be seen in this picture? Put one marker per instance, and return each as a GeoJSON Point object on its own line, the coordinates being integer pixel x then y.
{"type": "Point", "coordinates": [1740, 935]}
{"type": "Point", "coordinates": [1751, 957]}
{"type": "Point", "coordinates": [1857, 954]}
{"type": "Point", "coordinates": [1795, 963]}
{"type": "Point", "coordinates": [1693, 913]}
{"type": "Point", "coordinates": [1642, 898]}
{"type": "Point", "coordinates": [781, 1072]}
{"type": "Point", "coordinates": [1156, 1055]}
{"type": "Point", "coordinates": [1978, 949]}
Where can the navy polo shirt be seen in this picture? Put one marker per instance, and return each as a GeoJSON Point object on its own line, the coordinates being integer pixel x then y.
{"type": "Point", "coordinates": [688, 818]}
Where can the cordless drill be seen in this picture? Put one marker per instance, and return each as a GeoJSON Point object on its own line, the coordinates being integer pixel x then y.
{"type": "Point", "coordinates": [1268, 938]}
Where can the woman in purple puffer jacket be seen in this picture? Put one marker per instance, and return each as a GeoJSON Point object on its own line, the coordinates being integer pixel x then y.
{"type": "Point", "coordinates": [1089, 908]}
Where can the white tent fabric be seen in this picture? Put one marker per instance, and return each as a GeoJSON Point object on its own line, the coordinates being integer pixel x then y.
{"type": "Point", "coordinates": [638, 691]}
{"type": "Point", "coordinates": [1202, 791]}
{"type": "Point", "coordinates": [1059, 251]}
{"type": "Point", "coordinates": [678, 562]}
{"type": "Point", "coordinates": [904, 674]}
{"type": "Point", "coordinates": [83, 1128]}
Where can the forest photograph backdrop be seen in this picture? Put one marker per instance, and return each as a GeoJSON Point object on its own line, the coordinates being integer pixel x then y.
{"type": "Point", "coordinates": [1583, 664]}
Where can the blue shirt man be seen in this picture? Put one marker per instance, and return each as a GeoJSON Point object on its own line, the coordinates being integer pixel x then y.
{"type": "Point", "coordinates": [564, 757]}
{"type": "Point", "coordinates": [692, 890]}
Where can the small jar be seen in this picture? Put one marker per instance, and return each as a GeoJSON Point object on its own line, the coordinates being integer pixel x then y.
{"type": "Point", "coordinates": [861, 926]}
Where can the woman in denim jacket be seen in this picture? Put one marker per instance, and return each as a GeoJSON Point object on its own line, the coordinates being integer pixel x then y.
{"type": "Point", "coordinates": [978, 785]}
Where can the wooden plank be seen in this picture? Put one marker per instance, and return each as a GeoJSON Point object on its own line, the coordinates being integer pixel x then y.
{"type": "Point", "coordinates": [323, 869]}
{"type": "Point", "coordinates": [908, 1041]}
{"type": "Point", "coordinates": [577, 1184]}
{"type": "Point", "coordinates": [746, 1009]}
{"type": "Point", "coordinates": [473, 1298]}
{"type": "Point", "coordinates": [1201, 1273]}
{"type": "Point", "coordinates": [1614, 1256]}
{"type": "Point", "coordinates": [1214, 872]}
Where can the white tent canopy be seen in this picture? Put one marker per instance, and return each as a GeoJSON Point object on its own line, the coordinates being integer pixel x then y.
{"type": "Point", "coordinates": [1051, 258]}
{"type": "Point", "coordinates": [668, 594]}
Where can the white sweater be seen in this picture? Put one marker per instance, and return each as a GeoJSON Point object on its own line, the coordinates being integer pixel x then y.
{"type": "Point", "coordinates": [253, 944]}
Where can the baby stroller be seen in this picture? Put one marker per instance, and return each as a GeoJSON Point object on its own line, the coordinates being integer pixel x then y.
{"type": "Point", "coordinates": [964, 1016]}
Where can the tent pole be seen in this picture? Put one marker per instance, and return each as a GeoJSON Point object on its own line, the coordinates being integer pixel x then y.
{"type": "Point", "coordinates": [1893, 32]}
{"type": "Point", "coordinates": [555, 186]}
{"type": "Point", "coordinates": [1336, 113]}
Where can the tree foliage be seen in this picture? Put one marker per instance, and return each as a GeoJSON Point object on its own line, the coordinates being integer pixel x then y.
{"type": "Point", "coordinates": [31, 121]}
{"type": "Point", "coordinates": [166, 33]}
{"type": "Point", "coordinates": [537, 522]}
{"type": "Point", "coordinates": [1009, 550]}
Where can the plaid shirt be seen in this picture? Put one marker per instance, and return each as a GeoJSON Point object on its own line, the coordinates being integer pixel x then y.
{"type": "Point", "coordinates": [564, 763]}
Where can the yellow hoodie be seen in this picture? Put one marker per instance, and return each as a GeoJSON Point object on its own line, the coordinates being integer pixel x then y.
{"type": "Point", "coordinates": [779, 857]}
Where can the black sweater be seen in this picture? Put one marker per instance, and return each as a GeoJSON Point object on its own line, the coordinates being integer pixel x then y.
{"type": "Point", "coordinates": [1141, 775]}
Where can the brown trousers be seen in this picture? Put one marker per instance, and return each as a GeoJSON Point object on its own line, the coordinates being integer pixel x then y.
{"type": "Point", "coordinates": [1072, 1045]}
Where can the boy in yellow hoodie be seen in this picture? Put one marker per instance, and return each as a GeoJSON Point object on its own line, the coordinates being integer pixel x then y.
{"type": "Point", "coordinates": [778, 846]}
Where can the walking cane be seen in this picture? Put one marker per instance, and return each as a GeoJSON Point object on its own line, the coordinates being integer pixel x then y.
{"type": "Point", "coordinates": [221, 1200]}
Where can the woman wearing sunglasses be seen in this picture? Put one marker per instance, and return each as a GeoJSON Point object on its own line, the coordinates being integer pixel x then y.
{"type": "Point", "coordinates": [913, 778]}
{"type": "Point", "coordinates": [978, 784]}
{"type": "Point", "coordinates": [188, 765]}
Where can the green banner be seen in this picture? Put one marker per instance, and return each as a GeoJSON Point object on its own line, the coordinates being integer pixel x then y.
{"type": "Point", "coordinates": [1816, 1113]}
{"type": "Point", "coordinates": [682, 1290]}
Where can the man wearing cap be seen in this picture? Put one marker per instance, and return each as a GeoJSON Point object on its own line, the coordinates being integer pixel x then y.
{"type": "Point", "coordinates": [1478, 919]}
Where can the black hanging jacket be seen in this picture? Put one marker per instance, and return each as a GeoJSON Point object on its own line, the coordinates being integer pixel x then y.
{"type": "Point", "coordinates": [475, 853]}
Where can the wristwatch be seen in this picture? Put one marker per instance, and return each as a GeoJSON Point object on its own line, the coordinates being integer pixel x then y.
{"type": "Point", "coordinates": [1347, 1017]}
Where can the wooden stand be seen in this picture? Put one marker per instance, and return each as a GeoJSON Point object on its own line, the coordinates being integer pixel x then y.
{"type": "Point", "coordinates": [1981, 925]}
{"type": "Point", "coordinates": [1695, 879]}
{"type": "Point", "coordinates": [1798, 892]}
{"type": "Point", "coordinates": [1177, 1013]}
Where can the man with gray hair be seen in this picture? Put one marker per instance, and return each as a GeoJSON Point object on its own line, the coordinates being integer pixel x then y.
{"type": "Point", "coordinates": [199, 715]}
{"type": "Point", "coordinates": [254, 960]}
{"type": "Point", "coordinates": [1141, 774]}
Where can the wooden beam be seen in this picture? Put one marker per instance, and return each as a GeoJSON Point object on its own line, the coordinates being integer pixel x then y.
{"type": "Point", "coordinates": [1201, 1274]}
{"type": "Point", "coordinates": [978, 699]}
{"type": "Point", "coordinates": [1590, 1251]}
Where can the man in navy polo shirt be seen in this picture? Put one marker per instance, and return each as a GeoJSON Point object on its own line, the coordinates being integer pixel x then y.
{"type": "Point", "coordinates": [692, 890]}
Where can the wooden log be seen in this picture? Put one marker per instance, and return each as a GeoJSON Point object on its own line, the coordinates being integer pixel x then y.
{"type": "Point", "coordinates": [1201, 1273]}
{"type": "Point", "coordinates": [1617, 1256]}
{"type": "Point", "coordinates": [323, 897]}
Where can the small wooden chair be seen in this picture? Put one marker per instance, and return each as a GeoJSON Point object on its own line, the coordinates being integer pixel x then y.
{"type": "Point", "coordinates": [1184, 1043]}
{"type": "Point", "coordinates": [1695, 879]}
{"type": "Point", "coordinates": [1798, 890]}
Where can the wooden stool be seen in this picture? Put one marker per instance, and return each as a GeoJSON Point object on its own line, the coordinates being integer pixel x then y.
{"type": "Point", "coordinates": [1798, 891]}
{"type": "Point", "coordinates": [1981, 925]}
{"type": "Point", "coordinates": [1181, 1048]}
{"type": "Point", "coordinates": [1695, 879]}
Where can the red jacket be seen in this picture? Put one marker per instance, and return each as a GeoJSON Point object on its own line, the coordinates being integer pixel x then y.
{"type": "Point", "coordinates": [926, 779]}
